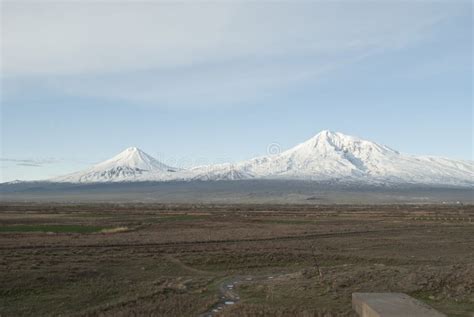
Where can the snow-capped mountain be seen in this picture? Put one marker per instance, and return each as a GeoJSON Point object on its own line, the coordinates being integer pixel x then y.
{"type": "Point", "coordinates": [327, 157]}
{"type": "Point", "coordinates": [130, 165]}
{"type": "Point", "coordinates": [333, 156]}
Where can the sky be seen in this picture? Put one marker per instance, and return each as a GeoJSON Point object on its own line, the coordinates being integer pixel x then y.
{"type": "Point", "coordinates": [194, 83]}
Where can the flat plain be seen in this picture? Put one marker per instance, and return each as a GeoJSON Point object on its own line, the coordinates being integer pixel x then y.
{"type": "Point", "coordinates": [130, 259]}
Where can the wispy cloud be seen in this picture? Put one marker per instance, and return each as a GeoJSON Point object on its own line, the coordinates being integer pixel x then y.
{"type": "Point", "coordinates": [214, 53]}
{"type": "Point", "coordinates": [30, 162]}
{"type": "Point", "coordinates": [97, 37]}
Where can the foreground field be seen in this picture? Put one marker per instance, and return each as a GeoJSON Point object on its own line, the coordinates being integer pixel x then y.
{"type": "Point", "coordinates": [230, 260]}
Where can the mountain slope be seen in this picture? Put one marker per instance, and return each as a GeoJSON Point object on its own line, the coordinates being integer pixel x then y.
{"type": "Point", "coordinates": [333, 156]}
{"type": "Point", "coordinates": [328, 157]}
{"type": "Point", "coordinates": [130, 165]}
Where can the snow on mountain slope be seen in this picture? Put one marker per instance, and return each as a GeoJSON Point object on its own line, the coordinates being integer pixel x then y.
{"type": "Point", "coordinates": [219, 172]}
{"type": "Point", "coordinates": [328, 156]}
{"type": "Point", "coordinates": [130, 165]}
{"type": "Point", "coordinates": [332, 156]}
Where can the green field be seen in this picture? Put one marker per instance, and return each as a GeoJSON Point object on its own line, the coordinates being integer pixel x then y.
{"type": "Point", "coordinates": [51, 228]}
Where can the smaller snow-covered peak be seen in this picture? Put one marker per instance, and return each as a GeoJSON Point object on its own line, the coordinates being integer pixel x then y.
{"type": "Point", "coordinates": [132, 149]}
{"type": "Point", "coordinates": [130, 164]}
{"type": "Point", "coordinates": [133, 157]}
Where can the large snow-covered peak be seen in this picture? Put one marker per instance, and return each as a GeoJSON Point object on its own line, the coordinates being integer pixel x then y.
{"type": "Point", "coordinates": [334, 156]}
{"type": "Point", "coordinates": [328, 142]}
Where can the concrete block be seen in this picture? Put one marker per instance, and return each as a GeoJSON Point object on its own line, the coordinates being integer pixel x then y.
{"type": "Point", "coordinates": [391, 305]}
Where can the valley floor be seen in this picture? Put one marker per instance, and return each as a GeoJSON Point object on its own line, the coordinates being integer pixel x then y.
{"type": "Point", "coordinates": [230, 260]}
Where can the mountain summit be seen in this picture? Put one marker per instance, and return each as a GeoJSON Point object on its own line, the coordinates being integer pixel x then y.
{"type": "Point", "coordinates": [336, 157]}
{"type": "Point", "coordinates": [129, 165]}
{"type": "Point", "coordinates": [134, 158]}
{"type": "Point", "coordinates": [328, 141]}
{"type": "Point", "coordinates": [327, 157]}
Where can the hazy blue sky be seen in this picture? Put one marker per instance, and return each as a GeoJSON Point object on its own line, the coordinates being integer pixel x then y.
{"type": "Point", "coordinates": [195, 83]}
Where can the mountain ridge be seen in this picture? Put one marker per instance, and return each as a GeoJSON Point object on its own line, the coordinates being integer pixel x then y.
{"type": "Point", "coordinates": [326, 157]}
{"type": "Point", "coordinates": [336, 156]}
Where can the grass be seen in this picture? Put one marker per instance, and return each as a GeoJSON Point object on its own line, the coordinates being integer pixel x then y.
{"type": "Point", "coordinates": [293, 297]}
{"type": "Point", "coordinates": [139, 261]}
{"type": "Point", "coordinates": [288, 221]}
{"type": "Point", "coordinates": [52, 228]}
{"type": "Point", "coordinates": [114, 230]}
{"type": "Point", "coordinates": [451, 306]}
{"type": "Point", "coordinates": [224, 262]}
{"type": "Point", "coordinates": [180, 218]}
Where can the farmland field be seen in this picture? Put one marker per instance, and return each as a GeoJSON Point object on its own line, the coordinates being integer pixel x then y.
{"type": "Point", "coordinates": [230, 260]}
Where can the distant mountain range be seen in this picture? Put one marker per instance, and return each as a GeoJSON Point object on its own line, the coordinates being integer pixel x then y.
{"type": "Point", "coordinates": [327, 157]}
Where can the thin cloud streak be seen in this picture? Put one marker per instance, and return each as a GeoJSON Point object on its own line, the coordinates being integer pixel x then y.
{"type": "Point", "coordinates": [176, 55]}
{"type": "Point", "coordinates": [88, 38]}
{"type": "Point", "coordinates": [30, 162]}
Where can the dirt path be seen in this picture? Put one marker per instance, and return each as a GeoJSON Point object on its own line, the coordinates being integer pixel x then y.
{"type": "Point", "coordinates": [226, 288]}
{"type": "Point", "coordinates": [184, 266]}
{"type": "Point", "coordinates": [228, 295]}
